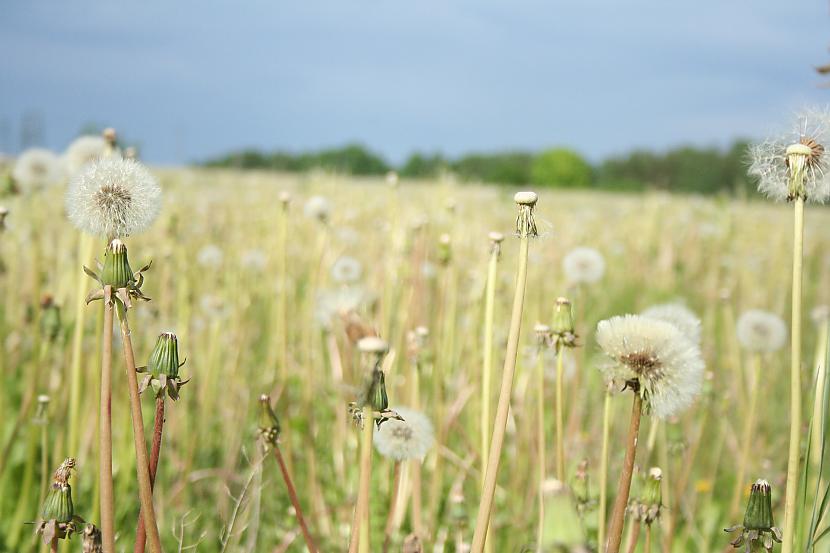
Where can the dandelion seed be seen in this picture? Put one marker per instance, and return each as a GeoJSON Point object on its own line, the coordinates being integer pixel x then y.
{"type": "Point", "coordinates": [795, 163]}
{"type": "Point", "coordinates": [410, 438]}
{"type": "Point", "coordinates": [318, 207]}
{"type": "Point", "coordinates": [113, 198]}
{"type": "Point", "coordinates": [346, 270]}
{"type": "Point", "coordinates": [210, 256]}
{"type": "Point", "coordinates": [761, 331]}
{"type": "Point", "coordinates": [583, 266]}
{"type": "Point", "coordinates": [37, 168]}
{"type": "Point", "coordinates": [666, 365]}
{"type": "Point", "coordinates": [83, 151]}
{"type": "Point", "coordinates": [680, 316]}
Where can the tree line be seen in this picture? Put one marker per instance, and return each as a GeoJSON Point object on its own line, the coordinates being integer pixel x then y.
{"type": "Point", "coordinates": [683, 169]}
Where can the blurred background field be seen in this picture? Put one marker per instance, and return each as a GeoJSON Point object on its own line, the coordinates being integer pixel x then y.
{"type": "Point", "coordinates": [217, 281]}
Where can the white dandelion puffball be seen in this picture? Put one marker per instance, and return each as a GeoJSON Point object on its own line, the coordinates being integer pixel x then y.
{"type": "Point", "coordinates": [82, 151]}
{"type": "Point", "coordinates": [317, 207]}
{"type": "Point", "coordinates": [346, 270]}
{"type": "Point", "coordinates": [666, 364]}
{"type": "Point", "coordinates": [334, 303]}
{"type": "Point", "coordinates": [680, 316]}
{"type": "Point", "coordinates": [760, 331]}
{"type": "Point", "coordinates": [210, 256]}
{"type": "Point", "coordinates": [410, 438]}
{"type": "Point", "coordinates": [583, 265]}
{"type": "Point", "coordinates": [254, 260]}
{"type": "Point", "coordinates": [769, 158]}
{"type": "Point", "coordinates": [113, 198]}
{"type": "Point", "coordinates": [37, 168]}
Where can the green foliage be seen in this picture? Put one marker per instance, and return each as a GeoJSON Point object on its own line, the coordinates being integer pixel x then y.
{"type": "Point", "coordinates": [498, 168]}
{"type": "Point", "coordinates": [561, 167]}
{"type": "Point", "coordinates": [353, 159]}
{"type": "Point", "coordinates": [421, 166]}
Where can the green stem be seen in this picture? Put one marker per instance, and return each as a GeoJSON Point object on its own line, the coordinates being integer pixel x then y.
{"type": "Point", "coordinates": [107, 495]}
{"type": "Point", "coordinates": [795, 381]}
{"type": "Point", "coordinates": [359, 541]}
{"type": "Point", "coordinates": [603, 469]}
{"type": "Point", "coordinates": [75, 371]}
{"type": "Point", "coordinates": [540, 443]}
{"type": "Point", "coordinates": [503, 407]}
{"type": "Point", "coordinates": [560, 420]}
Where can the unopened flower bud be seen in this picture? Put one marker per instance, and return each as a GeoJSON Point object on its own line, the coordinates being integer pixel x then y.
{"type": "Point", "coordinates": [563, 318]}
{"type": "Point", "coordinates": [117, 272]}
{"type": "Point", "coordinates": [164, 360]}
{"type": "Point", "coordinates": [269, 423]}
{"type": "Point", "coordinates": [652, 495]}
{"type": "Point", "coordinates": [758, 514]}
{"type": "Point", "coordinates": [377, 397]}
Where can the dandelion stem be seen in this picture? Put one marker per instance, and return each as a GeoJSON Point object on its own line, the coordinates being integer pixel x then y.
{"type": "Point", "coordinates": [107, 496]}
{"type": "Point", "coordinates": [393, 500]}
{"type": "Point", "coordinates": [560, 421]}
{"type": "Point", "coordinates": [487, 364]}
{"type": "Point", "coordinates": [540, 445]}
{"type": "Point", "coordinates": [795, 380]}
{"type": "Point", "coordinates": [84, 251]}
{"type": "Point", "coordinates": [634, 536]}
{"type": "Point", "coordinates": [500, 423]}
{"type": "Point", "coordinates": [618, 514]}
{"type": "Point", "coordinates": [359, 540]}
{"type": "Point", "coordinates": [603, 469]}
{"type": "Point", "coordinates": [295, 502]}
{"type": "Point", "coordinates": [155, 450]}
{"type": "Point", "coordinates": [145, 488]}
{"type": "Point", "coordinates": [746, 442]}
{"type": "Point", "coordinates": [648, 539]}
{"type": "Point", "coordinates": [53, 545]}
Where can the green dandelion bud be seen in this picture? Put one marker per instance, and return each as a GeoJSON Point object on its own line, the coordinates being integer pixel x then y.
{"type": "Point", "coordinates": [758, 530]}
{"type": "Point", "coordinates": [444, 249]}
{"type": "Point", "coordinates": [58, 504]}
{"type": "Point", "coordinates": [652, 495]}
{"type": "Point", "coordinates": [117, 272]}
{"type": "Point", "coordinates": [377, 392]}
{"type": "Point", "coordinates": [269, 423]}
{"type": "Point", "coordinates": [50, 319]}
{"type": "Point", "coordinates": [164, 360]}
{"type": "Point", "coordinates": [563, 317]}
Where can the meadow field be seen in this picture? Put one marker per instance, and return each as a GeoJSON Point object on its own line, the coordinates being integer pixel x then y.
{"type": "Point", "coordinates": [270, 281]}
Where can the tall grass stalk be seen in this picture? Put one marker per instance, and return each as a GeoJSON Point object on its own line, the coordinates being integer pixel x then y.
{"type": "Point", "coordinates": [795, 380]}
{"type": "Point", "coordinates": [540, 444]}
{"type": "Point", "coordinates": [603, 467]}
{"type": "Point", "coordinates": [359, 541]}
{"type": "Point", "coordinates": [145, 487]}
{"type": "Point", "coordinates": [526, 228]}
{"type": "Point", "coordinates": [75, 370]}
{"type": "Point", "coordinates": [560, 418]}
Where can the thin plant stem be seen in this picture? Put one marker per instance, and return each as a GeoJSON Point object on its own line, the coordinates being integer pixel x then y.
{"type": "Point", "coordinates": [603, 469]}
{"type": "Point", "coordinates": [75, 371]}
{"type": "Point", "coordinates": [540, 445]}
{"type": "Point", "coordinates": [393, 500]}
{"type": "Point", "coordinates": [282, 304]}
{"type": "Point", "coordinates": [487, 363]}
{"type": "Point", "coordinates": [615, 527]}
{"type": "Point", "coordinates": [560, 420]}
{"type": "Point", "coordinates": [359, 541]}
{"type": "Point", "coordinates": [634, 536]}
{"type": "Point", "coordinates": [648, 538]}
{"type": "Point", "coordinates": [53, 545]}
{"type": "Point", "coordinates": [746, 440]}
{"type": "Point", "coordinates": [155, 451]}
{"type": "Point", "coordinates": [295, 501]}
{"type": "Point", "coordinates": [107, 496]}
{"type": "Point", "coordinates": [145, 488]}
{"type": "Point", "coordinates": [503, 407]}
{"type": "Point", "coordinates": [795, 380]}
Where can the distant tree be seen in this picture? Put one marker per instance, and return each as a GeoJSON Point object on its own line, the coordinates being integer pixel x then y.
{"type": "Point", "coordinates": [561, 167]}
{"type": "Point", "coordinates": [420, 166]}
{"type": "Point", "coordinates": [500, 168]}
{"type": "Point", "coordinates": [354, 159]}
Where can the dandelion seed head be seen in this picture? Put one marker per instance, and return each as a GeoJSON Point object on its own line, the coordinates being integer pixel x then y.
{"type": "Point", "coordinates": [337, 302]}
{"type": "Point", "coordinates": [37, 168]}
{"type": "Point", "coordinates": [583, 266]}
{"type": "Point", "coordinates": [317, 207]}
{"type": "Point", "coordinates": [254, 260]}
{"type": "Point", "coordinates": [680, 316]}
{"type": "Point", "coordinates": [113, 197]}
{"type": "Point", "coordinates": [667, 365]}
{"type": "Point", "coordinates": [410, 438]}
{"type": "Point", "coordinates": [82, 151]}
{"type": "Point", "coordinates": [346, 270]}
{"type": "Point", "coordinates": [806, 140]}
{"type": "Point", "coordinates": [210, 256]}
{"type": "Point", "coordinates": [761, 331]}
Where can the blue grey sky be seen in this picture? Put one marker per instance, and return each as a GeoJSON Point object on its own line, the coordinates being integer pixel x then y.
{"type": "Point", "coordinates": [191, 79]}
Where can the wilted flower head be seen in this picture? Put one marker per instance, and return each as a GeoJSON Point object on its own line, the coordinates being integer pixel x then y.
{"type": "Point", "coordinates": [680, 316]}
{"type": "Point", "coordinates": [410, 438]}
{"type": "Point", "coordinates": [761, 331]}
{"type": "Point", "coordinates": [664, 365]}
{"type": "Point", "coordinates": [346, 270]}
{"type": "Point", "coordinates": [113, 198]}
{"type": "Point", "coordinates": [317, 207]}
{"type": "Point", "coordinates": [37, 168]}
{"type": "Point", "coordinates": [210, 256]}
{"type": "Point", "coordinates": [794, 164]}
{"type": "Point", "coordinates": [82, 151]}
{"type": "Point", "coordinates": [583, 265]}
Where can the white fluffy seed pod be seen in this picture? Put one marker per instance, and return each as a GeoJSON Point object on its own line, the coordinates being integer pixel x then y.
{"type": "Point", "coordinates": [583, 266]}
{"type": "Point", "coordinates": [680, 316]}
{"type": "Point", "coordinates": [410, 438]}
{"type": "Point", "coordinates": [666, 364]}
{"type": "Point", "coordinates": [37, 168]}
{"type": "Point", "coordinates": [346, 270]}
{"type": "Point", "coordinates": [761, 331]}
{"type": "Point", "coordinates": [317, 207]}
{"type": "Point", "coordinates": [113, 198]}
{"type": "Point", "coordinates": [82, 151]}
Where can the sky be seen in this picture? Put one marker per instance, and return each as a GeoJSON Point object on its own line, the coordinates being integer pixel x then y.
{"type": "Point", "coordinates": [188, 80]}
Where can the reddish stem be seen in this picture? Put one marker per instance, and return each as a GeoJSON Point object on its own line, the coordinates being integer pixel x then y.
{"type": "Point", "coordinates": [158, 426]}
{"type": "Point", "coordinates": [295, 501]}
